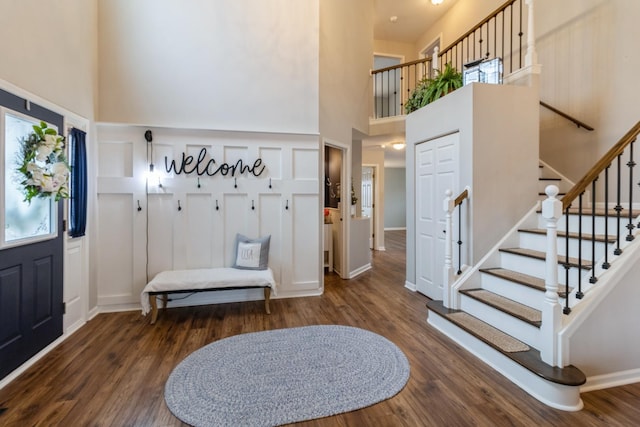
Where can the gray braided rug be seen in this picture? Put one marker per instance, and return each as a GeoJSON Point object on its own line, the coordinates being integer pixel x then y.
{"type": "Point", "coordinates": [284, 376]}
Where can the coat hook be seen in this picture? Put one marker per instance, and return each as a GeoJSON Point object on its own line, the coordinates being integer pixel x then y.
{"type": "Point", "coordinates": [139, 207]}
{"type": "Point", "coordinates": [235, 182]}
{"type": "Point", "coordinates": [217, 207]}
{"type": "Point", "coordinates": [287, 205]}
{"type": "Point", "coordinates": [179, 207]}
{"type": "Point", "coordinates": [253, 206]}
{"type": "Point", "coordinates": [198, 182]}
{"type": "Point", "coordinates": [270, 183]}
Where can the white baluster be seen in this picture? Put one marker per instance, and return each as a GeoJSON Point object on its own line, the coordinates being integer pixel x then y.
{"type": "Point", "coordinates": [435, 60]}
{"type": "Point", "coordinates": [551, 310]}
{"type": "Point", "coordinates": [448, 205]}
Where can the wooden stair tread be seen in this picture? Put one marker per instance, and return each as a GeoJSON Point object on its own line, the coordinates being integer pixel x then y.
{"type": "Point", "coordinates": [513, 308]}
{"type": "Point", "coordinates": [530, 359]}
{"type": "Point", "coordinates": [573, 262]}
{"type": "Point", "coordinates": [599, 237]}
{"type": "Point", "coordinates": [520, 278]}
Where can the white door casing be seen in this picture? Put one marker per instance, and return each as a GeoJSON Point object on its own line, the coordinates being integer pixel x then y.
{"type": "Point", "coordinates": [368, 199]}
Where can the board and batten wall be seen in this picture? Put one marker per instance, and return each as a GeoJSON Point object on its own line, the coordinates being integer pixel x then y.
{"type": "Point", "coordinates": [183, 226]}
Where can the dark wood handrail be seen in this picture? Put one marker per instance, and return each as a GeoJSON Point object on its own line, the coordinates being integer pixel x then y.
{"type": "Point", "coordinates": [460, 198]}
{"type": "Point", "coordinates": [406, 64]}
{"type": "Point", "coordinates": [474, 29]}
{"type": "Point", "coordinates": [566, 116]}
{"type": "Point", "coordinates": [581, 186]}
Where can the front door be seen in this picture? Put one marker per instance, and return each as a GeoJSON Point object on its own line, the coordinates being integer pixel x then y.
{"type": "Point", "coordinates": [31, 256]}
{"type": "Point", "coordinates": [436, 171]}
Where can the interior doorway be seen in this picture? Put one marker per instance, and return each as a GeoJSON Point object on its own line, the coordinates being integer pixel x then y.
{"type": "Point", "coordinates": [368, 200]}
{"type": "Point", "coordinates": [336, 205]}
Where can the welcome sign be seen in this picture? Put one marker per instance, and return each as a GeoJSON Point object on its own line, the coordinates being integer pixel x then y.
{"type": "Point", "coordinates": [201, 166]}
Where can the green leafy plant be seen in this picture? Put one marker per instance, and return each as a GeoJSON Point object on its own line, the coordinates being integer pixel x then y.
{"type": "Point", "coordinates": [428, 90]}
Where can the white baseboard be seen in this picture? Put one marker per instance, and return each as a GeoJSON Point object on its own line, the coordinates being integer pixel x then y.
{"type": "Point", "coordinates": [359, 271]}
{"type": "Point", "coordinates": [395, 229]}
{"type": "Point", "coordinates": [410, 286]}
{"type": "Point", "coordinates": [381, 248]}
{"type": "Point", "coordinates": [615, 379]}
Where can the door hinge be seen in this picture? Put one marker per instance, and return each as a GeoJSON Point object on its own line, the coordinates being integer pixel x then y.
{"type": "Point", "coordinates": [64, 308]}
{"type": "Point", "coordinates": [64, 225]}
{"type": "Point", "coordinates": [373, 235]}
{"type": "Point", "coordinates": [373, 205]}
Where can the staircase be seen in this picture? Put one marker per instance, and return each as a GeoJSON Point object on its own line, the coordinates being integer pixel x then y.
{"type": "Point", "coordinates": [498, 304]}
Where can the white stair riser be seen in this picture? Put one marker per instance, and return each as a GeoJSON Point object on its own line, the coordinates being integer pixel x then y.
{"type": "Point", "coordinates": [535, 267]}
{"type": "Point", "coordinates": [508, 324]}
{"type": "Point", "coordinates": [538, 242]}
{"type": "Point", "coordinates": [555, 395]}
{"type": "Point", "coordinates": [587, 225]}
{"type": "Point", "coordinates": [512, 290]}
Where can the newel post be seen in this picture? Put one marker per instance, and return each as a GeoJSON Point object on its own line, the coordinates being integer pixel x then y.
{"type": "Point", "coordinates": [551, 310]}
{"type": "Point", "coordinates": [447, 278]}
{"type": "Point", "coordinates": [531, 57]}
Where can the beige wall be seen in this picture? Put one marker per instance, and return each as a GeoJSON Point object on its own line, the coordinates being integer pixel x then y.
{"type": "Point", "coordinates": [346, 55]}
{"type": "Point", "coordinates": [48, 48]}
{"type": "Point", "coordinates": [590, 60]}
{"type": "Point", "coordinates": [225, 64]}
{"type": "Point", "coordinates": [385, 47]}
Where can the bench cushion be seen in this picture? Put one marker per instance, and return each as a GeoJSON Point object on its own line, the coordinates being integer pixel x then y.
{"type": "Point", "coordinates": [205, 279]}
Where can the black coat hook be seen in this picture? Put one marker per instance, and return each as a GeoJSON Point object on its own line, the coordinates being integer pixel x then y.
{"type": "Point", "coordinates": [179, 207]}
{"type": "Point", "coordinates": [270, 183]}
{"type": "Point", "coordinates": [139, 207]}
{"type": "Point", "coordinates": [217, 207]}
{"type": "Point", "coordinates": [235, 182]}
{"type": "Point", "coordinates": [198, 182]}
{"type": "Point", "coordinates": [253, 206]}
{"type": "Point", "coordinates": [287, 205]}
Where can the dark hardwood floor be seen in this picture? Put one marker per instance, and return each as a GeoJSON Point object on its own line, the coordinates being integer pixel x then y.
{"type": "Point", "coordinates": [112, 371]}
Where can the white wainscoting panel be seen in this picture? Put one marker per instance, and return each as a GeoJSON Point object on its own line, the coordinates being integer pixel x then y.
{"type": "Point", "coordinates": [283, 201]}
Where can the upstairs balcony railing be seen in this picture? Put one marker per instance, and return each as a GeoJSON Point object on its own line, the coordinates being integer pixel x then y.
{"type": "Point", "coordinates": [499, 35]}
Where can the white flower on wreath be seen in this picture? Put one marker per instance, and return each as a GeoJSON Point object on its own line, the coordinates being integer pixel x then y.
{"type": "Point", "coordinates": [43, 168]}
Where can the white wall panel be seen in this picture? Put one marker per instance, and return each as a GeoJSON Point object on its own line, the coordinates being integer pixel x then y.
{"type": "Point", "coordinates": [199, 235]}
{"type": "Point", "coordinates": [305, 210]}
{"type": "Point", "coordinates": [270, 219]}
{"type": "Point", "coordinates": [160, 238]}
{"type": "Point", "coordinates": [199, 229]}
{"type": "Point", "coordinates": [116, 247]}
{"type": "Point", "coordinates": [236, 211]}
{"type": "Point", "coordinates": [305, 164]}
{"type": "Point", "coordinates": [272, 157]}
{"type": "Point", "coordinates": [115, 159]}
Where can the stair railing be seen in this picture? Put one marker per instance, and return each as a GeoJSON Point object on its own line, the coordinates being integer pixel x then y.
{"type": "Point", "coordinates": [393, 85]}
{"type": "Point", "coordinates": [499, 35]}
{"type": "Point", "coordinates": [575, 121]}
{"type": "Point", "coordinates": [623, 215]}
{"type": "Point", "coordinates": [450, 205]}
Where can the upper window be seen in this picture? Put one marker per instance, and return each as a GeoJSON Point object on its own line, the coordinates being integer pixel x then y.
{"type": "Point", "coordinates": [22, 222]}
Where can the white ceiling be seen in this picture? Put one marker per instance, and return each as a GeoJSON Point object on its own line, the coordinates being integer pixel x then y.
{"type": "Point", "coordinates": [413, 19]}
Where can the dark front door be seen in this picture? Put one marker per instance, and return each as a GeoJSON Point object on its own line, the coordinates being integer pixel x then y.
{"type": "Point", "coordinates": [31, 274]}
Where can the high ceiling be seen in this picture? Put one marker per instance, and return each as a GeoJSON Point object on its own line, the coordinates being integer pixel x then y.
{"type": "Point", "coordinates": [413, 18]}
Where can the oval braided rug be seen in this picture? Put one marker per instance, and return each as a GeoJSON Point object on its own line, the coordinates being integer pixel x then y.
{"type": "Point", "coordinates": [284, 376]}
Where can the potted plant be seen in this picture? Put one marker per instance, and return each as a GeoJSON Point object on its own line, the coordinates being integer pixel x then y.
{"type": "Point", "coordinates": [428, 90]}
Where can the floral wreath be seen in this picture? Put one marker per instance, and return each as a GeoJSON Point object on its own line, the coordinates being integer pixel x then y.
{"type": "Point", "coordinates": [43, 169]}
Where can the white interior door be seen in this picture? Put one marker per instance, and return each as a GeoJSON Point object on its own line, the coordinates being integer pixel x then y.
{"type": "Point", "coordinates": [436, 171]}
{"type": "Point", "coordinates": [367, 199]}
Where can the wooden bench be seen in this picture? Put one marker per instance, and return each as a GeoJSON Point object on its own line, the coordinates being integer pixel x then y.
{"type": "Point", "coordinates": [204, 280]}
